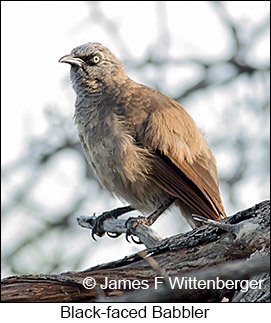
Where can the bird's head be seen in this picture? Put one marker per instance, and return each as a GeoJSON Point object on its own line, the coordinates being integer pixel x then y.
{"type": "Point", "coordinates": [93, 67]}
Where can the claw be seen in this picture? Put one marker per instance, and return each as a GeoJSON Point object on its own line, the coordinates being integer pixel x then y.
{"type": "Point", "coordinates": [96, 228]}
{"type": "Point", "coordinates": [135, 240]}
{"type": "Point", "coordinates": [113, 234]}
{"type": "Point", "coordinates": [128, 231]}
{"type": "Point", "coordinates": [127, 234]}
{"type": "Point", "coordinates": [95, 232]}
{"type": "Point", "coordinates": [93, 235]}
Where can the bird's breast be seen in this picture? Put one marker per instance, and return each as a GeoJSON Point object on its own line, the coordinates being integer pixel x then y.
{"type": "Point", "coordinates": [121, 165]}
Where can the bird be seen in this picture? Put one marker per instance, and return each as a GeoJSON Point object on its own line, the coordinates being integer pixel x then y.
{"type": "Point", "coordinates": [143, 146]}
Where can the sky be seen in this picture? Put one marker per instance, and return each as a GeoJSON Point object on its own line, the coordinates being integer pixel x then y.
{"type": "Point", "coordinates": [35, 34]}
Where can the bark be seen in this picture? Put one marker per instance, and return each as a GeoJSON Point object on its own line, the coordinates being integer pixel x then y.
{"type": "Point", "coordinates": [235, 248]}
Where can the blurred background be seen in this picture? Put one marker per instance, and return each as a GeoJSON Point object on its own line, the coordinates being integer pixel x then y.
{"type": "Point", "coordinates": [211, 56]}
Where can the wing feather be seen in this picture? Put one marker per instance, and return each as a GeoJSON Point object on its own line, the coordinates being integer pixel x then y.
{"type": "Point", "coordinates": [183, 164]}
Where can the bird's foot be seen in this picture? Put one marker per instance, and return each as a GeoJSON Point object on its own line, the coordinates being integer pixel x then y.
{"type": "Point", "coordinates": [97, 228]}
{"type": "Point", "coordinates": [131, 224]}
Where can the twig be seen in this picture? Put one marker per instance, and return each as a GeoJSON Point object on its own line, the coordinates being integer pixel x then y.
{"type": "Point", "coordinates": [217, 224]}
{"type": "Point", "coordinates": [146, 234]}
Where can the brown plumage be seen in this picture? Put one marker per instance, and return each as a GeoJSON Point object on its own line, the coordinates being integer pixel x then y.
{"type": "Point", "coordinates": [144, 147]}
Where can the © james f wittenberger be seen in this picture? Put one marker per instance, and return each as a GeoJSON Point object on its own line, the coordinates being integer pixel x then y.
{"type": "Point", "coordinates": [175, 283]}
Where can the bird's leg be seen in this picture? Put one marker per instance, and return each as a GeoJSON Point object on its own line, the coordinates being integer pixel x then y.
{"type": "Point", "coordinates": [132, 222]}
{"type": "Point", "coordinates": [113, 214]}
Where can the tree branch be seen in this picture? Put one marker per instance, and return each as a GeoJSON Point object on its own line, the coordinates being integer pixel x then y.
{"type": "Point", "coordinates": [204, 252]}
{"type": "Point", "coordinates": [233, 271]}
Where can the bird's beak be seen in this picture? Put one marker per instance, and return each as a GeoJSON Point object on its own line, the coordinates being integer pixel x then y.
{"type": "Point", "coordinates": [71, 60]}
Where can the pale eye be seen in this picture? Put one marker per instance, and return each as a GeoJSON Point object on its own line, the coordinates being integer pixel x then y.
{"type": "Point", "coordinates": [95, 59]}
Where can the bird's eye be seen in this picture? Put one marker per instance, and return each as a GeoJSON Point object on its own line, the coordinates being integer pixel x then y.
{"type": "Point", "coordinates": [96, 59]}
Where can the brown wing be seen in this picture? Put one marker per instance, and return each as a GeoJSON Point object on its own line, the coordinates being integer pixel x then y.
{"type": "Point", "coordinates": [186, 183]}
{"type": "Point", "coordinates": [183, 165]}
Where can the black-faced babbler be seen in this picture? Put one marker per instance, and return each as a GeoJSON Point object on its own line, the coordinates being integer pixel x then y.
{"type": "Point", "coordinates": [143, 146]}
